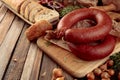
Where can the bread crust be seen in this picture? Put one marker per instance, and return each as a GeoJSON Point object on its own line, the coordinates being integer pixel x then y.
{"type": "Point", "coordinates": [37, 30]}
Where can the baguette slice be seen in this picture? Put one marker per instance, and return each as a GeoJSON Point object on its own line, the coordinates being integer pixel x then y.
{"type": "Point", "coordinates": [23, 6]}
{"type": "Point", "coordinates": [34, 11]}
{"type": "Point", "coordinates": [29, 7]}
{"type": "Point", "coordinates": [15, 4]}
{"type": "Point", "coordinates": [47, 14]}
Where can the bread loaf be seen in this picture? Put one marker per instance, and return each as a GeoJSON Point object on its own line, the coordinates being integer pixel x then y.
{"type": "Point", "coordinates": [15, 4]}
{"type": "Point", "coordinates": [33, 11]}
{"type": "Point", "coordinates": [38, 29]}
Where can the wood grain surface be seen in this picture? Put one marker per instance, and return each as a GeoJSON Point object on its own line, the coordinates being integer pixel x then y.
{"type": "Point", "coordinates": [15, 51]}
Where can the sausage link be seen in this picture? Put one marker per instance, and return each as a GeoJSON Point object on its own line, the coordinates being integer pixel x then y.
{"type": "Point", "coordinates": [93, 52]}
{"type": "Point", "coordinates": [84, 35]}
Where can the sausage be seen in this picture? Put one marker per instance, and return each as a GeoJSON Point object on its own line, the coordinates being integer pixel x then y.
{"type": "Point", "coordinates": [91, 52]}
{"type": "Point", "coordinates": [84, 35]}
{"type": "Point", "coordinates": [80, 40]}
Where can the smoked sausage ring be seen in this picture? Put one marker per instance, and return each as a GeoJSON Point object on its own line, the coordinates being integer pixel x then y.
{"type": "Point", "coordinates": [93, 52]}
{"type": "Point", "coordinates": [84, 35]}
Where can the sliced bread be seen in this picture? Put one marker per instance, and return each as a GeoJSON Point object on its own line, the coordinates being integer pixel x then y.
{"type": "Point", "coordinates": [23, 6]}
{"type": "Point", "coordinates": [34, 11]}
{"type": "Point", "coordinates": [29, 7]}
{"type": "Point", "coordinates": [47, 14]}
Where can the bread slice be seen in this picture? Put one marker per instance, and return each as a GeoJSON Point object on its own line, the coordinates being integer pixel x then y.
{"type": "Point", "coordinates": [34, 11]}
{"type": "Point", "coordinates": [23, 6]}
{"type": "Point", "coordinates": [47, 14]}
{"type": "Point", "coordinates": [29, 7]}
{"type": "Point", "coordinates": [15, 4]}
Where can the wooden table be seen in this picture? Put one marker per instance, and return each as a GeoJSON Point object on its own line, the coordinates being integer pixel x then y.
{"type": "Point", "coordinates": [19, 58]}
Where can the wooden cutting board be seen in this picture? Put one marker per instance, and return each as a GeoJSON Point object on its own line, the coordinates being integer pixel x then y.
{"type": "Point", "coordinates": [73, 65]}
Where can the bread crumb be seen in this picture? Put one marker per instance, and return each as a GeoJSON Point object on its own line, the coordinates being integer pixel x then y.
{"type": "Point", "coordinates": [43, 74]}
{"type": "Point", "coordinates": [15, 60]}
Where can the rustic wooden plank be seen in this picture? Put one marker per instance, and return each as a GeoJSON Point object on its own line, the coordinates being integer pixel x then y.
{"type": "Point", "coordinates": [0, 4]}
{"type": "Point", "coordinates": [3, 11]}
{"type": "Point", "coordinates": [5, 25]}
{"type": "Point", "coordinates": [29, 62]}
{"type": "Point", "coordinates": [47, 67]}
{"type": "Point", "coordinates": [8, 44]}
{"type": "Point", "coordinates": [16, 64]}
{"type": "Point", "coordinates": [36, 66]}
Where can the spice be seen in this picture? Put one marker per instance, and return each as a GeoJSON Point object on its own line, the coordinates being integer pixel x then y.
{"type": "Point", "coordinates": [90, 76]}
{"type": "Point", "coordinates": [105, 75]}
{"type": "Point", "coordinates": [97, 71]}
{"type": "Point", "coordinates": [57, 73]}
